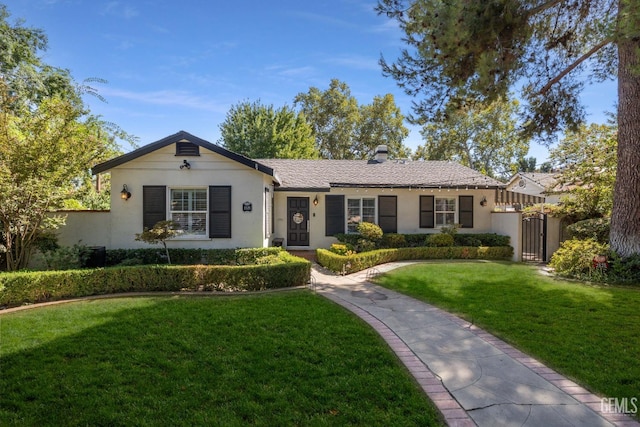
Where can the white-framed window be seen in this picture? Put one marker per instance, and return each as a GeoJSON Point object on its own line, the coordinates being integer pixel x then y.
{"type": "Point", "coordinates": [445, 211]}
{"type": "Point", "coordinates": [188, 207]}
{"type": "Point", "coordinates": [360, 210]}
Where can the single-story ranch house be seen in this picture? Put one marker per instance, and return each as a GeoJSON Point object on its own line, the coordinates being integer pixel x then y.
{"type": "Point", "coordinates": [224, 200]}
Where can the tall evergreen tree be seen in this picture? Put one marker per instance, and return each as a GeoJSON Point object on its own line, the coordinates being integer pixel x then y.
{"type": "Point", "coordinates": [463, 50]}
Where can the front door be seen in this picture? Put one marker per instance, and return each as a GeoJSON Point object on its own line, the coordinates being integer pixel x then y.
{"type": "Point", "coordinates": [298, 221]}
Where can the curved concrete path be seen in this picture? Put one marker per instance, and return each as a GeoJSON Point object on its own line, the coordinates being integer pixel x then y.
{"type": "Point", "coordinates": [471, 376]}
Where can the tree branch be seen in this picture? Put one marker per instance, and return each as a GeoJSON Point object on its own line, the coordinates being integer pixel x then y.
{"type": "Point", "coordinates": [571, 67]}
{"type": "Point", "coordinates": [543, 7]}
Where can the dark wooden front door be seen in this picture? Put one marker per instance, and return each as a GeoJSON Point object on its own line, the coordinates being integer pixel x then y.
{"type": "Point", "coordinates": [298, 221]}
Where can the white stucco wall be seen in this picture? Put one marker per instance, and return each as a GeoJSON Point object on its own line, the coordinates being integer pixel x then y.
{"type": "Point", "coordinates": [408, 211]}
{"type": "Point", "coordinates": [90, 228]}
{"type": "Point", "coordinates": [162, 167]}
{"type": "Point", "coordinates": [509, 224]}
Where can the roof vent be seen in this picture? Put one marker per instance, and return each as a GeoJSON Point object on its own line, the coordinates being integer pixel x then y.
{"type": "Point", "coordinates": [381, 153]}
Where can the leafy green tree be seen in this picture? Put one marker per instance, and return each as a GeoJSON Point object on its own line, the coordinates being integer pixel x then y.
{"type": "Point", "coordinates": [344, 129]}
{"type": "Point", "coordinates": [482, 138]}
{"type": "Point", "coordinates": [259, 131]}
{"type": "Point", "coordinates": [587, 161]}
{"type": "Point", "coordinates": [47, 140]}
{"type": "Point", "coordinates": [472, 50]}
{"type": "Point", "coordinates": [381, 122]}
{"type": "Point", "coordinates": [528, 164]}
{"type": "Point", "coordinates": [42, 149]}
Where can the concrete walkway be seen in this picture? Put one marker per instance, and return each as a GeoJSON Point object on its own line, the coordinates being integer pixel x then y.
{"type": "Point", "coordinates": [471, 376]}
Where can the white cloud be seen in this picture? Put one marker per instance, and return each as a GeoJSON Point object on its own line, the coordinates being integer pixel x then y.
{"type": "Point", "coordinates": [355, 62]}
{"type": "Point", "coordinates": [175, 98]}
{"type": "Point", "coordinates": [122, 10]}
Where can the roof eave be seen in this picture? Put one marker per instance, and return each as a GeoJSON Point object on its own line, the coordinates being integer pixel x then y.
{"type": "Point", "coordinates": [149, 148]}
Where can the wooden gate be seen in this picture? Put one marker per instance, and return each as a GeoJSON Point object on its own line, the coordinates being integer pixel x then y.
{"type": "Point", "coordinates": [534, 238]}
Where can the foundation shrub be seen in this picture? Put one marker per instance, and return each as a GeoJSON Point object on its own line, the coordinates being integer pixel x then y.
{"type": "Point", "coordinates": [575, 257]}
{"type": "Point", "coordinates": [394, 240]}
{"type": "Point", "coordinates": [439, 240]}
{"type": "Point", "coordinates": [361, 261]}
{"type": "Point", "coordinates": [244, 256]}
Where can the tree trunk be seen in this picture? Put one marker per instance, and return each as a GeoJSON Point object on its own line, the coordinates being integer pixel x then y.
{"type": "Point", "coordinates": [625, 218]}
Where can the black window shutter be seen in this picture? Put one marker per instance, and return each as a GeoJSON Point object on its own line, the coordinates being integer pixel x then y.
{"type": "Point", "coordinates": [334, 214]}
{"type": "Point", "coordinates": [426, 212]}
{"type": "Point", "coordinates": [219, 211]}
{"type": "Point", "coordinates": [388, 213]}
{"type": "Point", "coordinates": [154, 205]}
{"type": "Point", "coordinates": [465, 211]}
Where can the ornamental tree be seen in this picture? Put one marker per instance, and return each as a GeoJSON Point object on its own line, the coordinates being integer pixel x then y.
{"type": "Point", "coordinates": [160, 233]}
{"type": "Point", "coordinates": [459, 51]}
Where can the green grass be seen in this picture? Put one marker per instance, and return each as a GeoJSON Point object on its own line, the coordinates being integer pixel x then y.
{"type": "Point", "coordinates": [279, 359]}
{"type": "Point", "coordinates": [588, 333]}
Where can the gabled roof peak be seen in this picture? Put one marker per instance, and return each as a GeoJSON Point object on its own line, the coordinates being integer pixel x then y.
{"type": "Point", "coordinates": [180, 136]}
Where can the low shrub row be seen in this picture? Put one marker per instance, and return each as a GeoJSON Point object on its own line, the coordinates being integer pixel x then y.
{"type": "Point", "coordinates": [351, 263]}
{"type": "Point", "coordinates": [594, 261]}
{"type": "Point", "coordinates": [244, 256]}
{"type": "Point", "coordinates": [32, 287]}
{"type": "Point", "coordinates": [394, 240]}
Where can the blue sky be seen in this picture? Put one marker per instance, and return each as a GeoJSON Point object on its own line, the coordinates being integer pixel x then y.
{"type": "Point", "coordinates": [180, 65]}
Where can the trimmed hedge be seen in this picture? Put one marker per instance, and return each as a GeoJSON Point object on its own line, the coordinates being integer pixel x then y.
{"type": "Point", "coordinates": [33, 287]}
{"type": "Point", "coordinates": [245, 256]}
{"type": "Point", "coordinates": [393, 240]}
{"type": "Point", "coordinates": [352, 263]}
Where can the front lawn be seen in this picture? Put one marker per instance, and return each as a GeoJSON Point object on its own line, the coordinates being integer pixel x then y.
{"type": "Point", "coordinates": [279, 359]}
{"type": "Point", "coordinates": [588, 333]}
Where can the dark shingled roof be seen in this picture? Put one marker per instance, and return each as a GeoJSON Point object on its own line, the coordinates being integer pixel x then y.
{"type": "Point", "coordinates": [321, 175]}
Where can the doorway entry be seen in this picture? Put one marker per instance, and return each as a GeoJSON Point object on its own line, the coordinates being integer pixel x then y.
{"type": "Point", "coordinates": [297, 221]}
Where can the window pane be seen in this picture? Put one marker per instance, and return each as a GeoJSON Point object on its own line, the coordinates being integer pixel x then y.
{"type": "Point", "coordinates": [446, 204]}
{"type": "Point", "coordinates": [179, 200]}
{"type": "Point", "coordinates": [353, 215]}
{"type": "Point", "coordinates": [199, 200]}
{"type": "Point", "coordinates": [189, 210]}
{"type": "Point", "coordinates": [191, 223]}
{"type": "Point", "coordinates": [182, 220]}
{"type": "Point", "coordinates": [443, 219]}
{"type": "Point", "coordinates": [369, 210]}
{"type": "Point", "coordinates": [198, 223]}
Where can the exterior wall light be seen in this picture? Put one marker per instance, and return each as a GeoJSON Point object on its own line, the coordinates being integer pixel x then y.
{"type": "Point", "coordinates": [483, 201]}
{"type": "Point", "coordinates": [185, 165]}
{"type": "Point", "coordinates": [316, 201]}
{"type": "Point", "coordinates": [125, 194]}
